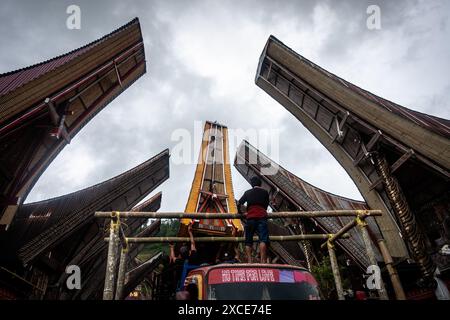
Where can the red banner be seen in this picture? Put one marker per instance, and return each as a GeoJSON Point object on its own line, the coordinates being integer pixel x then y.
{"type": "Point", "coordinates": [236, 275]}
{"type": "Point", "coordinates": [233, 275]}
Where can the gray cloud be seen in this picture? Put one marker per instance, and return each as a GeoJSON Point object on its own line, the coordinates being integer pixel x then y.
{"type": "Point", "coordinates": [201, 62]}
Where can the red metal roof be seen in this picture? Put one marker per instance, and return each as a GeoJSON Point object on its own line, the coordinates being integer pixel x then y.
{"type": "Point", "coordinates": [24, 115]}
{"type": "Point", "coordinates": [13, 80]}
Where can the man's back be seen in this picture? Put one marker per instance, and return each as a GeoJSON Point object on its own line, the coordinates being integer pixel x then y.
{"type": "Point", "coordinates": [257, 200]}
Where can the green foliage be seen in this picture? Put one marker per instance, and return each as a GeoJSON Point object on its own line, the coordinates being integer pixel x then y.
{"type": "Point", "coordinates": [324, 275]}
{"type": "Point", "coordinates": [168, 228]}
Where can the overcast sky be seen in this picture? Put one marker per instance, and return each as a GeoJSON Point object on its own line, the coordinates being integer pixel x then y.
{"type": "Point", "coordinates": [201, 63]}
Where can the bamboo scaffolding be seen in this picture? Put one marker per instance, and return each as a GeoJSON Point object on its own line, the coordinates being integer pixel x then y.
{"type": "Point", "coordinates": [371, 255]}
{"type": "Point", "coordinates": [206, 215]}
{"type": "Point", "coordinates": [395, 279]}
{"type": "Point", "coordinates": [111, 264]}
{"type": "Point", "coordinates": [229, 239]}
{"type": "Point", "coordinates": [335, 269]}
{"type": "Point", "coordinates": [117, 238]}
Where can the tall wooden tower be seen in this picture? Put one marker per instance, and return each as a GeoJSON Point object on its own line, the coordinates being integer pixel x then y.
{"type": "Point", "coordinates": [212, 187]}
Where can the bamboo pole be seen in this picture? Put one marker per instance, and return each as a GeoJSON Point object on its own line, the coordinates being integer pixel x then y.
{"type": "Point", "coordinates": [228, 239]}
{"type": "Point", "coordinates": [335, 269]}
{"type": "Point", "coordinates": [121, 237]}
{"type": "Point", "coordinates": [395, 279]}
{"type": "Point", "coordinates": [371, 255]}
{"type": "Point", "coordinates": [108, 290]}
{"type": "Point", "coordinates": [121, 273]}
{"type": "Point", "coordinates": [339, 234]}
{"type": "Point", "coordinates": [270, 215]}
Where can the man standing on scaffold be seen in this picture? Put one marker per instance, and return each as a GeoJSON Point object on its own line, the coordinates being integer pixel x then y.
{"type": "Point", "coordinates": [257, 200]}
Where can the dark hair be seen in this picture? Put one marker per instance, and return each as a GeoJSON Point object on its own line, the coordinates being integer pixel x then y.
{"type": "Point", "coordinates": [255, 182]}
{"type": "Point", "coordinates": [184, 252]}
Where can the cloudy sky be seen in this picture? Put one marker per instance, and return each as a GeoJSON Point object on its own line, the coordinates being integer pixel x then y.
{"type": "Point", "coordinates": [201, 63]}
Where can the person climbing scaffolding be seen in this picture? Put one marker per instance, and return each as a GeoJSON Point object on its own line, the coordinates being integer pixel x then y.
{"type": "Point", "coordinates": [185, 252]}
{"type": "Point", "coordinates": [186, 259]}
{"type": "Point", "coordinates": [229, 252]}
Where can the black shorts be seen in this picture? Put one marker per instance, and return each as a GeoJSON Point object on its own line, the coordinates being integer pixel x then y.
{"type": "Point", "coordinates": [259, 226]}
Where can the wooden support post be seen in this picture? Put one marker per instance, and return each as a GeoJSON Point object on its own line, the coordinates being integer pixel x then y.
{"type": "Point", "coordinates": [54, 116]}
{"type": "Point", "coordinates": [335, 269]}
{"type": "Point", "coordinates": [121, 273]}
{"type": "Point", "coordinates": [371, 254]}
{"type": "Point", "coordinates": [395, 279]}
{"type": "Point", "coordinates": [108, 290]}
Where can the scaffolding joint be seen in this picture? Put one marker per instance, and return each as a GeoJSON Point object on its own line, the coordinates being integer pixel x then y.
{"type": "Point", "coordinates": [360, 220]}
{"type": "Point", "coordinates": [330, 243]}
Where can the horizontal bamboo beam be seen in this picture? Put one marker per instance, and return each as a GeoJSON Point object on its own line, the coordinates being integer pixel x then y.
{"type": "Point", "coordinates": [270, 215]}
{"type": "Point", "coordinates": [229, 239]}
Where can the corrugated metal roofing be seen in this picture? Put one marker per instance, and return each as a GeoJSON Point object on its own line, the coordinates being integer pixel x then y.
{"type": "Point", "coordinates": [308, 197]}
{"type": "Point", "coordinates": [37, 225]}
{"type": "Point", "coordinates": [13, 80]}
{"type": "Point", "coordinates": [137, 275]}
{"type": "Point", "coordinates": [21, 109]}
{"type": "Point", "coordinates": [438, 125]}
